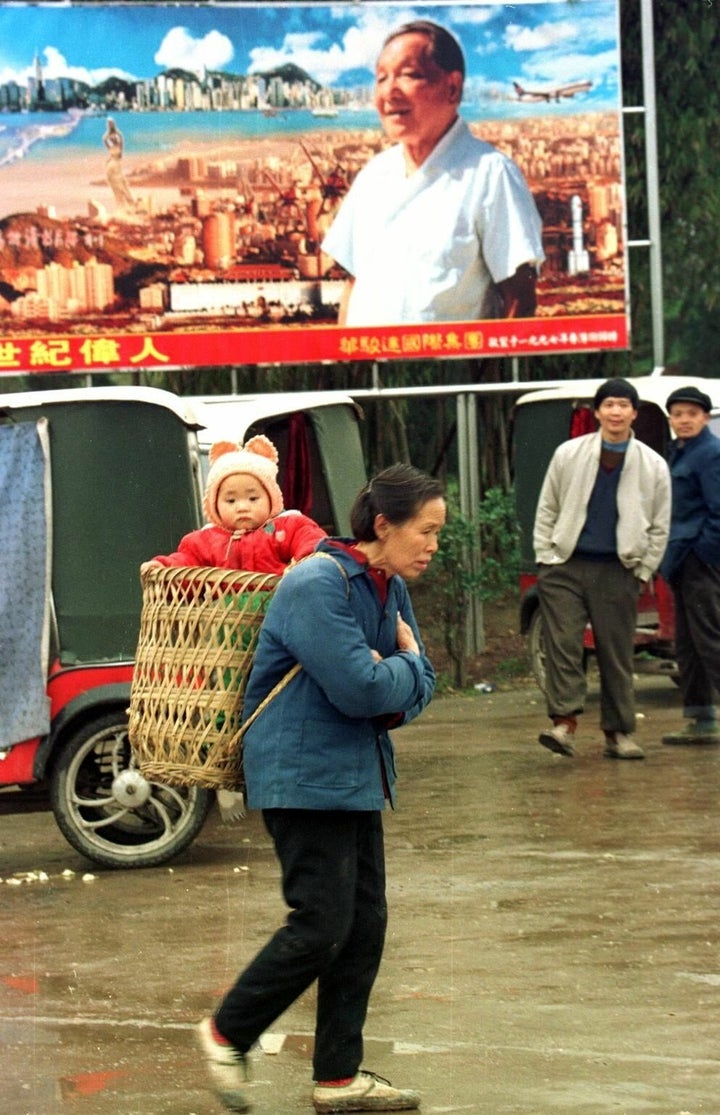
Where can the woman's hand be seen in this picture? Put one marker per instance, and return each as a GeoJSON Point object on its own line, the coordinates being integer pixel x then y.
{"type": "Point", "coordinates": [406, 637]}
{"type": "Point", "coordinates": [405, 640]}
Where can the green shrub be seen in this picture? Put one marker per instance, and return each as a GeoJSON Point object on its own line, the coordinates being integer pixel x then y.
{"type": "Point", "coordinates": [478, 559]}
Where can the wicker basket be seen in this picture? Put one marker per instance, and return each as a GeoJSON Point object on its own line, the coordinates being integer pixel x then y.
{"type": "Point", "coordinates": [198, 632]}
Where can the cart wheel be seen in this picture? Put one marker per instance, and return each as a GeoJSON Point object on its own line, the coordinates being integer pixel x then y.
{"type": "Point", "coordinates": [536, 648]}
{"type": "Point", "coordinates": [109, 811]}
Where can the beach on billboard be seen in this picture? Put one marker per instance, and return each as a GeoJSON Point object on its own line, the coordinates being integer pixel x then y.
{"type": "Point", "coordinates": [42, 154]}
{"type": "Point", "coordinates": [71, 181]}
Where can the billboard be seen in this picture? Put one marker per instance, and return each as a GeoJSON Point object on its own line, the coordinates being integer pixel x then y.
{"type": "Point", "coordinates": [276, 183]}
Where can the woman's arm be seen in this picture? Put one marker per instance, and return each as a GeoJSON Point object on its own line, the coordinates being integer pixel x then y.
{"type": "Point", "coordinates": [316, 622]}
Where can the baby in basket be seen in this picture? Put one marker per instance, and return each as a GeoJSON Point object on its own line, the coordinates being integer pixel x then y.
{"type": "Point", "coordinates": [247, 526]}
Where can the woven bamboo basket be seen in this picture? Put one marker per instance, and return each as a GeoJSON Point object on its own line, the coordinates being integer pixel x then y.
{"type": "Point", "coordinates": [198, 632]}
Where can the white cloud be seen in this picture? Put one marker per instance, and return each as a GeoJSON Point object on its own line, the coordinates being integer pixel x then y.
{"type": "Point", "coordinates": [466, 14]}
{"type": "Point", "coordinates": [54, 65]}
{"type": "Point", "coordinates": [560, 52]}
{"type": "Point", "coordinates": [327, 61]}
{"type": "Point", "coordinates": [324, 63]}
{"type": "Point", "coordinates": [542, 37]}
{"type": "Point", "coordinates": [572, 66]}
{"type": "Point", "coordinates": [180, 50]}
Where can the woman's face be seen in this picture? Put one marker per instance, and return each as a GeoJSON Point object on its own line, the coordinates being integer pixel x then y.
{"type": "Point", "coordinates": [407, 548]}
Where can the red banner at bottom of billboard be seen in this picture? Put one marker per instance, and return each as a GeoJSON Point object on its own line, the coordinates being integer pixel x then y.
{"type": "Point", "coordinates": [155, 350]}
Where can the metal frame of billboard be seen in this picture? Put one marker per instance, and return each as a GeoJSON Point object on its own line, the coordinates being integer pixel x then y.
{"type": "Point", "coordinates": [152, 338]}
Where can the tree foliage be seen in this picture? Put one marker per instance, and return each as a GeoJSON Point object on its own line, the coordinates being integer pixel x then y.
{"type": "Point", "coordinates": [478, 559]}
{"type": "Point", "coordinates": [687, 47]}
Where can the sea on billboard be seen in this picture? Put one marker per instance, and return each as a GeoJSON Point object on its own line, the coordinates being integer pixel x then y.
{"type": "Point", "coordinates": [282, 183]}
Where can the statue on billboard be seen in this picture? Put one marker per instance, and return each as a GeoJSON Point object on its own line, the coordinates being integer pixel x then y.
{"type": "Point", "coordinates": [114, 144]}
{"type": "Point", "coordinates": [441, 226]}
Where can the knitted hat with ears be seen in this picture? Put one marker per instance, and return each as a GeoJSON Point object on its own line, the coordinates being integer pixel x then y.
{"type": "Point", "coordinates": [258, 458]}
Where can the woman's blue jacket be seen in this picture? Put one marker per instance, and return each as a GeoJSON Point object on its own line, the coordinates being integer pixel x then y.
{"type": "Point", "coordinates": [322, 742]}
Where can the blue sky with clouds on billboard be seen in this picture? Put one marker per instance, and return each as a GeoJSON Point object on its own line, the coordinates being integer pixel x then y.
{"type": "Point", "coordinates": [539, 44]}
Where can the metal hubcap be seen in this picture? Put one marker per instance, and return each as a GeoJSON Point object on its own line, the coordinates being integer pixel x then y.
{"type": "Point", "coordinates": [131, 789]}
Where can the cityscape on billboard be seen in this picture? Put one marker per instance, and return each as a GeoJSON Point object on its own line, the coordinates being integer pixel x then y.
{"type": "Point", "coordinates": [198, 184]}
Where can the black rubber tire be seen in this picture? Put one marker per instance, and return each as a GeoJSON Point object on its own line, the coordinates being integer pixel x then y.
{"type": "Point", "coordinates": [83, 784]}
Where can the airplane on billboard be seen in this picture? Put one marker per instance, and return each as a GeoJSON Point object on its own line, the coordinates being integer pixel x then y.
{"type": "Point", "coordinates": [556, 94]}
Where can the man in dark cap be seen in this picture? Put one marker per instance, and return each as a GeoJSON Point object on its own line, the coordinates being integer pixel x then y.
{"type": "Point", "coordinates": [601, 528]}
{"type": "Point", "coordinates": [692, 562]}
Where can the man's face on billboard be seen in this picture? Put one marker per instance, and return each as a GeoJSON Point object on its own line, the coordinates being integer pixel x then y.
{"type": "Point", "coordinates": [416, 100]}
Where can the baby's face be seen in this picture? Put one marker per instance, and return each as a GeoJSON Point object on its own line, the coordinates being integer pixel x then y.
{"type": "Point", "coordinates": [242, 502]}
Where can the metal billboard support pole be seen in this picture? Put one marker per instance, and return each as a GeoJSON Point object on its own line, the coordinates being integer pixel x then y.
{"type": "Point", "coordinates": [469, 478]}
{"type": "Point", "coordinates": [654, 242]}
{"type": "Point", "coordinates": [652, 181]}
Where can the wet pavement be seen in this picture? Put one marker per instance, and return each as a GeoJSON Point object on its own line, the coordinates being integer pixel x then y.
{"type": "Point", "coordinates": [553, 942]}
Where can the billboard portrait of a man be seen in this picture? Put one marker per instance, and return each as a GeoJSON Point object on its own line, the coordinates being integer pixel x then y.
{"type": "Point", "coordinates": [441, 226]}
{"type": "Point", "coordinates": [279, 182]}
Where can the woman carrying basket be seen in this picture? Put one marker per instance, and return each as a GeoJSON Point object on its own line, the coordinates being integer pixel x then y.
{"type": "Point", "coordinates": [319, 763]}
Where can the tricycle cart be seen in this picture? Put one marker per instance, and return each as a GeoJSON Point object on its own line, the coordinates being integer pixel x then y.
{"type": "Point", "coordinates": [94, 481]}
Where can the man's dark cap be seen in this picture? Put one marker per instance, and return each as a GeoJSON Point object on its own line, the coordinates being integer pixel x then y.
{"type": "Point", "coordinates": [689, 395]}
{"type": "Point", "coordinates": [616, 389]}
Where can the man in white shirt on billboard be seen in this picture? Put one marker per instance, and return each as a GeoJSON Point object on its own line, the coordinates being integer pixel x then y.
{"type": "Point", "coordinates": [441, 226]}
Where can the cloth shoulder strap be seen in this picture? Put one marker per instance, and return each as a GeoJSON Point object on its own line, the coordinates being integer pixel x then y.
{"type": "Point", "coordinates": [322, 553]}
{"type": "Point", "coordinates": [294, 670]}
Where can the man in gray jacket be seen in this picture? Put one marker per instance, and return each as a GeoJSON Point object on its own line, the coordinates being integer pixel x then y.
{"type": "Point", "coordinates": [601, 528]}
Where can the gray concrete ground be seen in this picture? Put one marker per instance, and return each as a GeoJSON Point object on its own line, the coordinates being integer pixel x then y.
{"type": "Point", "coordinates": [553, 945]}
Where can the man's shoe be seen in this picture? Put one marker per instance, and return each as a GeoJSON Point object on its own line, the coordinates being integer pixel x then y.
{"type": "Point", "coordinates": [558, 739]}
{"type": "Point", "coordinates": [365, 1092]}
{"type": "Point", "coordinates": [622, 746]}
{"type": "Point", "coordinates": [226, 1066]}
{"type": "Point", "coordinates": [697, 732]}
